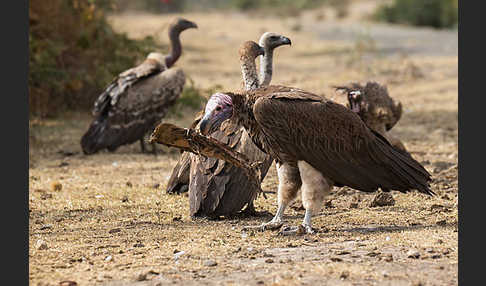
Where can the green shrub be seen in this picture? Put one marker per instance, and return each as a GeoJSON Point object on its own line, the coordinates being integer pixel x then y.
{"type": "Point", "coordinates": [434, 13]}
{"type": "Point", "coordinates": [74, 53]}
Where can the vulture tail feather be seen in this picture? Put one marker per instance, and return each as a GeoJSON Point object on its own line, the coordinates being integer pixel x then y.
{"type": "Point", "coordinates": [407, 169]}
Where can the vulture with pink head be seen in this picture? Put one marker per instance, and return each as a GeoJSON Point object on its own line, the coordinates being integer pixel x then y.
{"type": "Point", "coordinates": [317, 144]}
{"type": "Point", "coordinates": [216, 187]}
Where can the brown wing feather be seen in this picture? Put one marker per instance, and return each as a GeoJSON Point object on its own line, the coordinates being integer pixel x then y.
{"type": "Point", "coordinates": [335, 141]}
{"type": "Point", "coordinates": [136, 112]}
{"type": "Point", "coordinates": [124, 80]}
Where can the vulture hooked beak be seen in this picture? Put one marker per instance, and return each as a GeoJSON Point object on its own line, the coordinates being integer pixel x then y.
{"type": "Point", "coordinates": [218, 109]}
{"type": "Point", "coordinates": [286, 41]}
{"type": "Point", "coordinates": [354, 98]}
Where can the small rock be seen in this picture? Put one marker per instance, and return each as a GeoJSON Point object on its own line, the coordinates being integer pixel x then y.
{"type": "Point", "coordinates": [109, 258]}
{"type": "Point", "coordinates": [124, 199]}
{"type": "Point", "coordinates": [46, 226]}
{"type": "Point", "coordinates": [441, 222]}
{"type": "Point", "coordinates": [269, 260]}
{"type": "Point", "coordinates": [56, 186]}
{"type": "Point", "coordinates": [156, 186]}
{"type": "Point", "coordinates": [177, 218]}
{"type": "Point", "coordinates": [344, 252]}
{"type": "Point", "coordinates": [210, 263]}
{"type": "Point", "coordinates": [373, 254]}
{"type": "Point", "coordinates": [138, 244]}
{"type": "Point", "coordinates": [178, 254]}
{"type": "Point", "coordinates": [46, 196]}
{"type": "Point", "coordinates": [328, 204]}
{"type": "Point", "coordinates": [440, 241]}
{"type": "Point", "coordinates": [412, 253]}
{"type": "Point", "coordinates": [382, 199]}
{"type": "Point", "coordinates": [344, 274]}
{"type": "Point", "coordinates": [388, 257]}
{"type": "Point", "coordinates": [68, 283]}
{"type": "Point", "coordinates": [353, 205]}
{"type": "Point", "coordinates": [129, 184]}
{"type": "Point", "coordinates": [41, 245]}
{"type": "Point", "coordinates": [142, 277]}
{"type": "Point", "coordinates": [114, 230]}
{"type": "Point", "coordinates": [336, 259]}
{"type": "Point", "coordinates": [63, 164]}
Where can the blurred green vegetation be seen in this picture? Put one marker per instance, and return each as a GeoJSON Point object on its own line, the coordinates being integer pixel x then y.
{"type": "Point", "coordinates": [434, 13]}
{"type": "Point", "coordinates": [276, 7]}
{"type": "Point", "coordinates": [74, 53]}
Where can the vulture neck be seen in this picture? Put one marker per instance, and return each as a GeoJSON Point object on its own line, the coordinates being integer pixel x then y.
{"type": "Point", "coordinates": [266, 62]}
{"type": "Point", "coordinates": [175, 48]}
{"type": "Point", "coordinates": [248, 69]}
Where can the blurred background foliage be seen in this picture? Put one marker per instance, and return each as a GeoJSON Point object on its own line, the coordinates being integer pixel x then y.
{"type": "Point", "coordinates": [74, 52]}
{"type": "Point", "coordinates": [433, 13]}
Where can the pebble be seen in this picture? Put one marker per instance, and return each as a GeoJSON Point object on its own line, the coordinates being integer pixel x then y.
{"type": "Point", "coordinates": [178, 254]}
{"type": "Point", "coordinates": [56, 186]}
{"type": "Point", "coordinates": [412, 253]}
{"type": "Point", "coordinates": [382, 199]}
{"type": "Point", "coordinates": [210, 263]}
{"type": "Point", "coordinates": [344, 274]}
{"type": "Point", "coordinates": [269, 260]}
{"type": "Point", "coordinates": [109, 258]}
{"type": "Point", "coordinates": [68, 283]}
{"type": "Point", "coordinates": [41, 245]}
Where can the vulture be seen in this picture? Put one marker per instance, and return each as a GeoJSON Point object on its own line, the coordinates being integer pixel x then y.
{"type": "Point", "coordinates": [179, 179]}
{"type": "Point", "coordinates": [326, 142]}
{"type": "Point", "coordinates": [375, 107]}
{"type": "Point", "coordinates": [138, 98]}
{"type": "Point", "coordinates": [216, 187]}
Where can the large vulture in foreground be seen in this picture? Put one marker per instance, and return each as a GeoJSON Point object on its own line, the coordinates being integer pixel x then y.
{"type": "Point", "coordinates": [215, 186]}
{"type": "Point", "coordinates": [325, 141]}
{"type": "Point", "coordinates": [375, 107]}
{"type": "Point", "coordinates": [138, 98]}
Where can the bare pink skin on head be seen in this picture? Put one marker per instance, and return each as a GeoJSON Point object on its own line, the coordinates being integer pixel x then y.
{"type": "Point", "coordinates": [218, 108]}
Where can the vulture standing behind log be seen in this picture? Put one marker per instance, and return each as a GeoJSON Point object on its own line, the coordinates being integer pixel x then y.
{"type": "Point", "coordinates": [216, 187]}
{"type": "Point", "coordinates": [138, 98]}
{"type": "Point", "coordinates": [179, 180]}
{"type": "Point", "coordinates": [375, 107]}
{"type": "Point", "coordinates": [328, 143]}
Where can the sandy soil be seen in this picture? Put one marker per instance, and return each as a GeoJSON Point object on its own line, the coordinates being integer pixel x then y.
{"type": "Point", "coordinates": [106, 220]}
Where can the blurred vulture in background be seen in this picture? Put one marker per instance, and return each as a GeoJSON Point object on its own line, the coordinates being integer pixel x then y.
{"type": "Point", "coordinates": [216, 187]}
{"type": "Point", "coordinates": [138, 98]}
{"type": "Point", "coordinates": [326, 142]}
{"type": "Point", "coordinates": [375, 107]}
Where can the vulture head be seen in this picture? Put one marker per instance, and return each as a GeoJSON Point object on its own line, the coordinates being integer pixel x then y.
{"type": "Point", "coordinates": [218, 109]}
{"type": "Point", "coordinates": [249, 51]}
{"type": "Point", "coordinates": [181, 24]}
{"type": "Point", "coordinates": [272, 40]}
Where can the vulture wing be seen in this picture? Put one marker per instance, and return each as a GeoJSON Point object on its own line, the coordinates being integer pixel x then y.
{"type": "Point", "coordinates": [125, 117]}
{"type": "Point", "coordinates": [119, 85]}
{"type": "Point", "coordinates": [220, 187]}
{"type": "Point", "coordinates": [300, 126]}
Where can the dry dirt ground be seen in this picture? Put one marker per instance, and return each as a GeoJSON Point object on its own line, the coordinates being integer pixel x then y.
{"type": "Point", "coordinates": [105, 219]}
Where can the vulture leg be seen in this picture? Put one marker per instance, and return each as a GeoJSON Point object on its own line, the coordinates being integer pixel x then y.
{"type": "Point", "coordinates": [289, 183]}
{"type": "Point", "coordinates": [314, 190]}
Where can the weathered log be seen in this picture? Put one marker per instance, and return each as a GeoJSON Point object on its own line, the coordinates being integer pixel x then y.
{"type": "Point", "coordinates": [190, 140]}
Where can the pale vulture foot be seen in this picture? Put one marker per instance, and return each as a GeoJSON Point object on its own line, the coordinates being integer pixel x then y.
{"type": "Point", "coordinates": [271, 225]}
{"type": "Point", "coordinates": [296, 230]}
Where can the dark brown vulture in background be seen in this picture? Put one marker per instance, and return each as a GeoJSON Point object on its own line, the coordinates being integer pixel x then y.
{"type": "Point", "coordinates": [138, 98]}
{"type": "Point", "coordinates": [375, 107]}
{"type": "Point", "coordinates": [326, 142]}
{"type": "Point", "coordinates": [219, 188]}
